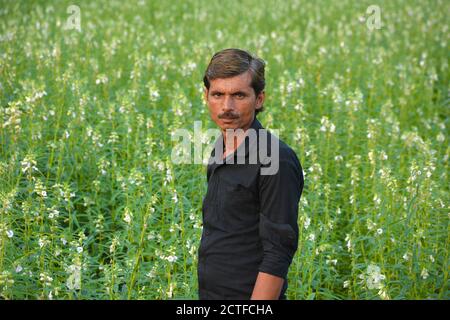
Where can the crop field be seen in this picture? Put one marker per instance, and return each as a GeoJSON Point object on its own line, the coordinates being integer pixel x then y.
{"type": "Point", "coordinates": [93, 207]}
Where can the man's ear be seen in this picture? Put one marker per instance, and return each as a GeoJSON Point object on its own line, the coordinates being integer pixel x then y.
{"type": "Point", "coordinates": [260, 99]}
{"type": "Point", "coordinates": [205, 94]}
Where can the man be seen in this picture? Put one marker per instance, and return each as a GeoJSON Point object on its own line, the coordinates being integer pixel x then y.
{"type": "Point", "coordinates": [250, 230]}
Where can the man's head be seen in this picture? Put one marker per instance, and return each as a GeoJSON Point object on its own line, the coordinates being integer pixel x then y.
{"type": "Point", "coordinates": [234, 88]}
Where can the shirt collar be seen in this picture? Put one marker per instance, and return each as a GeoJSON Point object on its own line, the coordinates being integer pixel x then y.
{"type": "Point", "coordinates": [247, 144]}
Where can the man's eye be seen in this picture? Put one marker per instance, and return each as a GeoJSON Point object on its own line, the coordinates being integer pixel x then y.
{"type": "Point", "coordinates": [217, 94]}
{"type": "Point", "coordinates": [240, 95]}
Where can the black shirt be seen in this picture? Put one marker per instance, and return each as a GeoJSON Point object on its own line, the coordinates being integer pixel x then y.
{"type": "Point", "coordinates": [249, 218]}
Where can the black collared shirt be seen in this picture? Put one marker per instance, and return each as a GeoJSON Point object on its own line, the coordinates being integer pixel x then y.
{"type": "Point", "coordinates": [249, 219]}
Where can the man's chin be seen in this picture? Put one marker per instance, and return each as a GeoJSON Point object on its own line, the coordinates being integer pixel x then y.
{"type": "Point", "coordinates": [229, 126]}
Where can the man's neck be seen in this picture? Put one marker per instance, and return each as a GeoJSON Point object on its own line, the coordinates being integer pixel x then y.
{"type": "Point", "coordinates": [231, 144]}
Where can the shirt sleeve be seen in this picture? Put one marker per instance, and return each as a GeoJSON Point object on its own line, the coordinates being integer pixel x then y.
{"type": "Point", "coordinates": [278, 228]}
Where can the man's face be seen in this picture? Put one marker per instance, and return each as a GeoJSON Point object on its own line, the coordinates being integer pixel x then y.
{"type": "Point", "coordinates": [232, 101]}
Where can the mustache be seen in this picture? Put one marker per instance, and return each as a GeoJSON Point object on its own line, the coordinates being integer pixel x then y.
{"type": "Point", "coordinates": [228, 115]}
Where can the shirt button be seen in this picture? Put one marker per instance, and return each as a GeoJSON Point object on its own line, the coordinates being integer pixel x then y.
{"type": "Point", "coordinates": [207, 232]}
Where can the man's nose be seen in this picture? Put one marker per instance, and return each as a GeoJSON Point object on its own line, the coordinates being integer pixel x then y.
{"type": "Point", "coordinates": [228, 103]}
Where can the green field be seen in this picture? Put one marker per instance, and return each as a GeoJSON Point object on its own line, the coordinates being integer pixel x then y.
{"type": "Point", "coordinates": [92, 207]}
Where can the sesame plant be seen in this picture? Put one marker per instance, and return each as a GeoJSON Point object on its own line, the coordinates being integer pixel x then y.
{"type": "Point", "coordinates": [93, 207]}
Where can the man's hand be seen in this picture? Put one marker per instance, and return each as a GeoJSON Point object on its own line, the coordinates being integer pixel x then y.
{"type": "Point", "coordinates": [267, 287]}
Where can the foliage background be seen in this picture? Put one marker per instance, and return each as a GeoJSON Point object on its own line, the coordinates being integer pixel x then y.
{"type": "Point", "coordinates": [93, 208]}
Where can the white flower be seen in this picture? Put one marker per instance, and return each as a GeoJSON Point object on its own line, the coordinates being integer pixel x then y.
{"type": "Point", "coordinates": [101, 79]}
{"type": "Point", "coordinates": [376, 199]}
{"type": "Point", "coordinates": [170, 292]}
{"type": "Point", "coordinates": [332, 127]}
{"type": "Point", "coordinates": [19, 268]}
{"type": "Point", "coordinates": [383, 294]}
{"type": "Point", "coordinates": [424, 274]}
{"type": "Point", "coordinates": [74, 279]}
{"type": "Point", "coordinates": [307, 222]}
{"type": "Point", "coordinates": [373, 277]}
{"type": "Point", "coordinates": [128, 216]}
{"type": "Point", "coordinates": [151, 274]}
{"type": "Point", "coordinates": [346, 283]}
{"type": "Point", "coordinates": [349, 242]}
{"type": "Point", "coordinates": [10, 233]}
{"type": "Point", "coordinates": [46, 278]}
{"type": "Point", "coordinates": [440, 137]}
{"type": "Point", "coordinates": [379, 231]}
{"type": "Point", "coordinates": [53, 214]}
{"type": "Point", "coordinates": [333, 261]}
{"type": "Point", "coordinates": [114, 243]}
{"type": "Point", "coordinates": [64, 241]}
{"type": "Point", "coordinates": [172, 258]}
{"type": "Point", "coordinates": [29, 164]}
{"type": "Point", "coordinates": [154, 94]}
{"type": "Point", "coordinates": [326, 125]}
{"type": "Point", "coordinates": [312, 237]}
{"type": "Point", "coordinates": [42, 242]}
{"type": "Point", "coordinates": [370, 224]}
{"type": "Point", "coordinates": [79, 249]}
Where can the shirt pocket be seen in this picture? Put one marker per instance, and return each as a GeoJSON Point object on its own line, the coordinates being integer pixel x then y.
{"type": "Point", "coordinates": [238, 206]}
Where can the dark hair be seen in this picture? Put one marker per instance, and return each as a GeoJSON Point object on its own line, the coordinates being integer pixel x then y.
{"type": "Point", "coordinates": [232, 62]}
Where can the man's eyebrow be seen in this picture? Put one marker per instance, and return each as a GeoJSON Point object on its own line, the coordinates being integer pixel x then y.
{"type": "Point", "coordinates": [232, 93]}
{"type": "Point", "coordinates": [240, 92]}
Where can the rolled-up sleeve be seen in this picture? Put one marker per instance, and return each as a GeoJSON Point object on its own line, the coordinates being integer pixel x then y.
{"type": "Point", "coordinates": [278, 228]}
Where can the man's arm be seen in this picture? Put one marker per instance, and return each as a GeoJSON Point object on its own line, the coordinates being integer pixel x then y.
{"type": "Point", "coordinates": [279, 196]}
{"type": "Point", "coordinates": [267, 287]}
